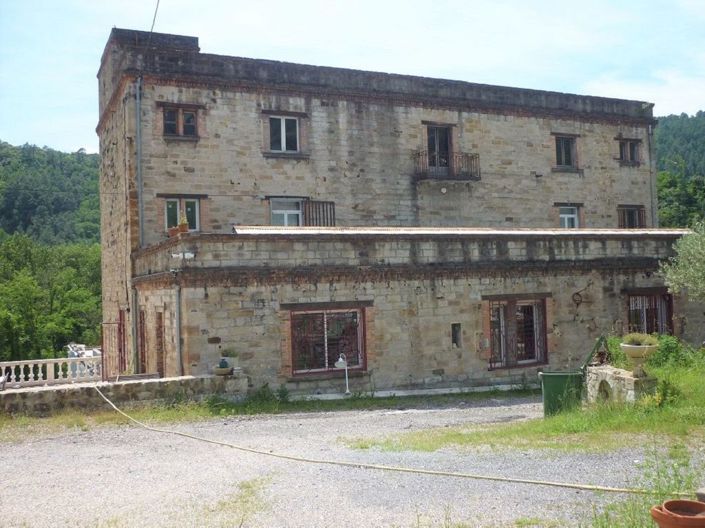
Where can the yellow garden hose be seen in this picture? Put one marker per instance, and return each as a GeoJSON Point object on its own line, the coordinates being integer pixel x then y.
{"type": "Point", "coordinates": [585, 487]}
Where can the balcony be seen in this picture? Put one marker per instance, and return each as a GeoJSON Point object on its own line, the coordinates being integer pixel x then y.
{"type": "Point", "coordinates": [447, 166]}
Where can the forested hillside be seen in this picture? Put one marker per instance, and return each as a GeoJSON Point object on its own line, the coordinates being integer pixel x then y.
{"type": "Point", "coordinates": [51, 196]}
{"type": "Point", "coordinates": [680, 151]}
{"type": "Point", "coordinates": [49, 251]}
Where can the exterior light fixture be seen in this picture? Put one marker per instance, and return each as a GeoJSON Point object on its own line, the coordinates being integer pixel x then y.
{"type": "Point", "coordinates": [343, 363]}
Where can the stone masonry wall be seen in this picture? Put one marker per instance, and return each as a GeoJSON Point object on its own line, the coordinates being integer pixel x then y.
{"type": "Point", "coordinates": [41, 401]}
{"type": "Point", "coordinates": [360, 155]}
{"type": "Point", "coordinates": [408, 333]}
{"type": "Point", "coordinates": [236, 293]}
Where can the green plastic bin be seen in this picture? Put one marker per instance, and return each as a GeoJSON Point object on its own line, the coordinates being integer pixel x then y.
{"type": "Point", "coordinates": [563, 391]}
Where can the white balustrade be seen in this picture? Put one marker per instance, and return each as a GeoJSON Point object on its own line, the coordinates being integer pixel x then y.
{"type": "Point", "coordinates": [37, 372]}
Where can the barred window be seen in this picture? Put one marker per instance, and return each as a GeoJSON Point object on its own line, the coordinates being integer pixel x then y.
{"type": "Point", "coordinates": [517, 332]}
{"type": "Point", "coordinates": [319, 338]}
{"type": "Point", "coordinates": [649, 314]}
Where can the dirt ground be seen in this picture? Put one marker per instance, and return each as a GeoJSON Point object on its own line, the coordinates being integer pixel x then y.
{"type": "Point", "coordinates": [126, 476]}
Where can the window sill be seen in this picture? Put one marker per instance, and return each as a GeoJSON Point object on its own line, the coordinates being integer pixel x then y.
{"type": "Point", "coordinates": [519, 366]}
{"type": "Point", "coordinates": [286, 155]}
{"type": "Point", "coordinates": [326, 375]}
{"type": "Point", "coordinates": [627, 163]}
{"type": "Point", "coordinates": [574, 170]}
{"type": "Point", "coordinates": [187, 139]}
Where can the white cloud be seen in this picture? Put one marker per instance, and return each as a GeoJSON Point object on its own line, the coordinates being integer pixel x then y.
{"type": "Point", "coordinates": [672, 92]}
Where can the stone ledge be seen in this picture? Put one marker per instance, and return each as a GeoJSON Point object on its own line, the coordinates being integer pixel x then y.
{"type": "Point", "coordinates": [43, 401]}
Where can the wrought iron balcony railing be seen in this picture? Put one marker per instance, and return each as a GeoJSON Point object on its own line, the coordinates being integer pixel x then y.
{"type": "Point", "coordinates": [447, 166]}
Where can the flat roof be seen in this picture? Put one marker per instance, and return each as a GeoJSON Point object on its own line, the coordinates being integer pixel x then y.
{"type": "Point", "coordinates": [178, 57]}
{"type": "Point", "coordinates": [455, 231]}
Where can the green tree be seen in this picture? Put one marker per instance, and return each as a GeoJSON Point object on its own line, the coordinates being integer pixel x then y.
{"type": "Point", "coordinates": [686, 270]}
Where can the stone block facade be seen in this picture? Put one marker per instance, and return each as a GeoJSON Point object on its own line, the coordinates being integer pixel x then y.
{"type": "Point", "coordinates": [372, 173]}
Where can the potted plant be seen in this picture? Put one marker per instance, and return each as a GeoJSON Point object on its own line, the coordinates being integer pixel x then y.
{"type": "Point", "coordinates": [223, 368]}
{"type": "Point", "coordinates": [638, 348]}
{"type": "Point", "coordinates": [173, 231]}
{"type": "Point", "coordinates": [183, 223]}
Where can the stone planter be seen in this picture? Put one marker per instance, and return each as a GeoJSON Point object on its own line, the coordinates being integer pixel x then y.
{"type": "Point", "coordinates": [222, 371]}
{"type": "Point", "coordinates": [638, 354]}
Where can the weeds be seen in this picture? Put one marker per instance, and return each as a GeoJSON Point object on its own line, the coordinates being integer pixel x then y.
{"type": "Point", "coordinates": [664, 476]}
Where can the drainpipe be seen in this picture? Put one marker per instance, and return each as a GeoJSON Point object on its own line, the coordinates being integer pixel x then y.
{"type": "Point", "coordinates": [179, 348]}
{"type": "Point", "coordinates": [135, 318]}
{"type": "Point", "coordinates": [138, 140]}
{"type": "Point", "coordinates": [652, 177]}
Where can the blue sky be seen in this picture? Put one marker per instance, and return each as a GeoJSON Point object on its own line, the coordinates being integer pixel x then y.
{"type": "Point", "coordinates": [646, 50]}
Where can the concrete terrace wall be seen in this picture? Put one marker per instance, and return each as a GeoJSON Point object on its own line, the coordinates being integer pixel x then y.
{"type": "Point", "coordinates": [271, 248]}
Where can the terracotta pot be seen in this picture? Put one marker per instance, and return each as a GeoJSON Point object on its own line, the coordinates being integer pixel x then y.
{"type": "Point", "coordinates": [173, 231]}
{"type": "Point", "coordinates": [183, 228]}
{"type": "Point", "coordinates": [638, 354]}
{"type": "Point", "coordinates": [686, 508]}
{"type": "Point", "coordinates": [666, 519]}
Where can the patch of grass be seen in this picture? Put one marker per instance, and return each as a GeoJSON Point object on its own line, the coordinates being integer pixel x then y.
{"type": "Point", "coordinates": [535, 522]}
{"type": "Point", "coordinates": [239, 507]}
{"type": "Point", "coordinates": [664, 475]}
{"type": "Point", "coordinates": [262, 401]}
{"type": "Point", "coordinates": [447, 522]}
{"type": "Point", "coordinates": [676, 411]}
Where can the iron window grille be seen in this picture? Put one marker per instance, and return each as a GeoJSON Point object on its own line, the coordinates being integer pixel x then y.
{"type": "Point", "coordinates": [517, 333]}
{"type": "Point", "coordinates": [649, 314]}
{"type": "Point", "coordinates": [318, 338]}
{"type": "Point", "coordinates": [302, 212]}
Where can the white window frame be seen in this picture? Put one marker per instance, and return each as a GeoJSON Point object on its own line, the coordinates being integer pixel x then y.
{"type": "Point", "coordinates": [282, 120]}
{"type": "Point", "coordinates": [566, 216]}
{"type": "Point", "coordinates": [181, 206]}
{"type": "Point", "coordinates": [286, 212]}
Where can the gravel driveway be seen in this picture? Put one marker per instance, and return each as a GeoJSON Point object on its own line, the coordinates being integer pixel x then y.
{"type": "Point", "coordinates": [127, 476]}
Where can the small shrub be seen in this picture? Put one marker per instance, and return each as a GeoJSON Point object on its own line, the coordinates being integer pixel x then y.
{"type": "Point", "coordinates": [615, 356]}
{"type": "Point", "coordinates": [283, 394]}
{"type": "Point", "coordinates": [263, 395]}
{"type": "Point", "coordinates": [639, 339]}
{"type": "Point", "coordinates": [672, 352]}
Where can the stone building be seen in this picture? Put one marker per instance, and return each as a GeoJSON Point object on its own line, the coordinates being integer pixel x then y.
{"type": "Point", "coordinates": [437, 233]}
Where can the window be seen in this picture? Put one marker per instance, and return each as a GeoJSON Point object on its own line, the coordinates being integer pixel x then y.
{"type": "Point", "coordinates": [455, 335]}
{"type": "Point", "coordinates": [286, 212]}
{"type": "Point", "coordinates": [628, 151]}
{"type": "Point", "coordinates": [301, 212]}
{"type": "Point", "coordinates": [568, 217]}
{"type": "Point", "coordinates": [319, 338]}
{"type": "Point", "coordinates": [180, 122]}
{"type": "Point", "coordinates": [566, 152]}
{"type": "Point", "coordinates": [173, 209]}
{"type": "Point", "coordinates": [438, 149]}
{"type": "Point", "coordinates": [283, 134]}
{"type": "Point", "coordinates": [631, 216]}
{"type": "Point", "coordinates": [650, 314]}
{"type": "Point", "coordinates": [517, 332]}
